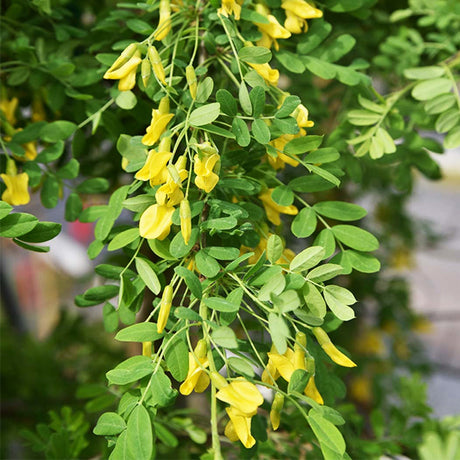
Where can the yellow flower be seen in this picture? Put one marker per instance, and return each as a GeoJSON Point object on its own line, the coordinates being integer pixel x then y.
{"type": "Point", "coordinates": [270, 31]}
{"type": "Point", "coordinates": [312, 392]}
{"type": "Point", "coordinates": [164, 24]}
{"type": "Point", "coordinates": [370, 342]}
{"type": "Point", "coordinates": [191, 80]}
{"type": "Point", "coordinates": [239, 427]}
{"type": "Point", "coordinates": [170, 193]}
{"type": "Point", "coordinates": [271, 76]}
{"type": "Point", "coordinates": [147, 349]}
{"type": "Point", "coordinates": [275, 411]}
{"type": "Point", "coordinates": [38, 111]}
{"type": "Point", "coordinates": [273, 209]}
{"type": "Point", "coordinates": [125, 67]}
{"type": "Point", "coordinates": [337, 356]}
{"type": "Point", "coordinates": [154, 168]}
{"type": "Point", "coordinates": [297, 11]}
{"type": "Point", "coordinates": [165, 308]}
{"type": "Point", "coordinates": [8, 107]}
{"type": "Point", "coordinates": [242, 395]}
{"type": "Point", "coordinates": [160, 119]}
{"type": "Point", "coordinates": [206, 179]}
{"type": "Point", "coordinates": [361, 389]}
{"type": "Point", "coordinates": [156, 222]}
{"type": "Point", "coordinates": [301, 116]}
{"type": "Point", "coordinates": [196, 379]}
{"type": "Point", "coordinates": [157, 65]}
{"type": "Point", "coordinates": [185, 220]}
{"type": "Point", "coordinates": [279, 143]}
{"type": "Point", "coordinates": [231, 7]}
{"type": "Point", "coordinates": [16, 192]}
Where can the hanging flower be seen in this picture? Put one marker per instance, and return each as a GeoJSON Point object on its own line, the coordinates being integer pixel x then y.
{"type": "Point", "coordinates": [337, 356]}
{"type": "Point", "coordinates": [156, 63]}
{"type": "Point", "coordinates": [164, 24]}
{"type": "Point", "coordinates": [154, 168]}
{"type": "Point", "coordinates": [297, 12]}
{"type": "Point", "coordinates": [185, 220]}
{"type": "Point", "coordinates": [272, 30]}
{"type": "Point", "coordinates": [165, 308]}
{"type": "Point", "coordinates": [239, 427]}
{"type": "Point", "coordinates": [275, 410]}
{"type": "Point", "coordinates": [160, 119]}
{"type": "Point", "coordinates": [197, 379]}
{"type": "Point", "coordinates": [271, 76]}
{"type": "Point", "coordinates": [8, 107]}
{"type": "Point", "coordinates": [206, 179]}
{"type": "Point", "coordinates": [273, 210]}
{"type": "Point", "coordinates": [125, 67]}
{"type": "Point", "coordinates": [170, 192]}
{"type": "Point", "coordinates": [16, 192]}
{"type": "Point", "coordinates": [156, 222]}
{"type": "Point", "coordinates": [230, 7]}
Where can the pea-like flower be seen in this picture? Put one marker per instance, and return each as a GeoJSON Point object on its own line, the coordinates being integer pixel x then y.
{"type": "Point", "coordinates": [297, 12]}
{"type": "Point", "coordinates": [185, 220]}
{"type": "Point", "coordinates": [125, 67]}
{"type": "Point", "coordinates": [170, 193]}
{"type": "Point", "coordinates": [272, 30]}
{"type": "Point", "coordinates": [197, 379]}
{"type": "Point", "coordinates": [8, 107]}
{"type": "Point", "coordinates": [271, 76]}
{"type": "Point", "coordinates": [206, 179]}
{"type": "Point", "coordinates": [156, 63]}
{"type": "Point", "coordinates": [331, 350]}
{"type": "Point", "coordinates": [156, 222]}
{"type": "Point", "coordinates": [160, 119]}
{"type": "Point", "coordinates": [229, 7]}
{"type": "Point", "coordinates": [154, 168]}
{"type": "Point", "coordinates": [164, 24]}
{"type": "Point", "coordinates": [165, 308]}
{"type": "Point", "coordinates": [16, 192]}
{"type": "Point", "coordinates": [273, 210]}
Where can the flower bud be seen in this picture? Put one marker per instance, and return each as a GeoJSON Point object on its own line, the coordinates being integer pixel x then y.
{"type": "Point", "coordinates": [201, 349]}
{"type": "Point", "coordinates": [218, 380]}
{"type": "Point", "coordinates": [337, 356]}
{"type": "Point", "coordinates": [275, 412]}
{"type": "Point", "coordinates": [191, 80]}
{"type": "Point", "coordinates": [157, 65]}
{"type": "Point", "coordinates": [163, 108]}
{"type": "Point", "coordinates": [185, 220]}
{"type": "Point", "coordinates": [146, 71]}
{"type": "Point", "coordinates": [164, 25]}
{"type": "Point", "coordinates": [147, 349]}
{"type": "Point", "coordinates": [165, 307]}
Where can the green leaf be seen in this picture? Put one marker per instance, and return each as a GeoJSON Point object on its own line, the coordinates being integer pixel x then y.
{"type": "Point", "coordinates": [101, 293]}
{"type": "Point", "coordinates": [255, 54]}
{"type": "Point", "coordinates": [245, 100]}
{"type": "Point", "coordinates": [387, 142]}
{"type": "Point", "coordinates": [178, 248]}
{"type": "Point", "coordinates": [161, 392]}
{"type": "Point", "coordinates": [241, 366]}
{"type": "Point", "coordinates": [275, 248]}
{"type": "Point", "coordinates": [309, 184]}
{"type": "Point", "coordinates": [225, 337]}
{"type": "Point", "coordinates": [279, 332]}
{"type": "Point", "coordinates": [290, 61]}
{"type": "Point", "coordinates": [220, 304]}
{"type": "Point", "coordinates": [227, 102]}
{"type": "Point", "coordinates": [287, 301]}
{"type": "Point", "coordinates": [139, 26]}
{"type": "Point", "coordinates": [30, 247]}
{"type": "Point", "coordinates": [324, 272]}
{"type": "Point", "coordinates": [260, 131]}
{"type": "Point", "coordinates": [355, 237]}
{"type": "Point", "coordinates": [452, 140]}
{"type": "Point", "coordinates": [218, 131]}
{"type": "Point", "coordinates": [221, 223]}
{"type": "Point", "coordinates": [109, 424]}
{"type": "Point", "coordinates": [318, 31]}
{"type": "Point", "coordinates": [110, 317]}
{"type": "Point", "coordinates": [49, 193]}
{"type": "Point", "coordinates": [29, 133]}
{"type": "Point", "coordinates": [299, 380]}
{"type": "Point", "coordinates": [139, 434]}
{"type": "Point", "coordinates": [290, 103]}
{"type": "Point", "coordinates": [303, 144]}
{"type": "Point", "coordinates": [340, 210]}
{"type": "Point", "coordinates": [57, 130]}
{"type": "Point", "coordinates": [340, 310]}
{"type": "Point", "coordinates": [123, 239]}
{"type": "Point", "coordinates": [114, 208]}
{"type": "Point", "coordinates": [328, 435]}
{"type": "Point", "coordinates": [447, 120]}
{"type": "Point", "coordinates": [370, 105]}
{"type": "Point", "coordinates": [275, 285]}
{"type": "Point", "coordinates": [5, 209]}
{"type": "Point", "coordinates": [307, 259]}
{"type": "Point", "coordinates": [257, 97]}
{"type": "Point", "coordinates": [187, 313]}
{"type": "Point", "coordinates": [17, 224]}
{"type": "Point", "coordinates": [283, 195]}
{"type": "Point", "coordinates": [191, 280]}
{"type": "Point", "coordinates": [360, 117]}
{"type": "Point", "coordinates": [364, 263]}
{"type": "Point", "coordinates": [241, 131]}
{"type": "Point", "coordinates": [326, 239]}
{"type": "Point", "coordinates": [304, 224]}
{"type": "Point", "coordinates": [126, 100]}
{"type": "Point", "coordinates": [141, 332]}
{"type": "Point", "coordinates": [204, 90]}
{"type": "Point", "coordinates": [69, 170]}
{"type": "Point", "coordinates": [314, 300]}
{"type": "Point", "coordinates": [43, 231]}
{"type": "Point", "coordinates": [342, 45]}
{"type": "Point", "coordinates": [206, 265]}
{"type": "Point", "coordinates": [205, 114]}
{"type": "Point", "coordinates": [424, 73]}
{"type": "Point", "coordinates": [222, 253]}
{"type": "Point", "coordinates": [51, 153]}
{"type": "Point", "coordinates": [94, 185]}
{"type": "Point", "coordinates": [130, 370]}
{"type": "Point", "coordinates": [73, 207]}
{"type": "Point", "coordinates": [324, 155]}
{"type": "Point", "coordinates": [429, 89]}
{"type": "Point", "coordinates": [324, 174]}
{"type": "Point", "coordinates": [440, 104]}
{"type": "Point", "coordinates": [146, 271]}
{"type": "Point", "coordinates": [176, 357]}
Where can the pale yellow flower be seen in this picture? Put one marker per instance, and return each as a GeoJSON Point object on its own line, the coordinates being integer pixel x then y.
{"type": "Point", "coordinates": [8, 107]}
{"type": "Point", "coordinates": [164, 24]}
{"type": "Point", "coordinates": [185, 220]}
{"type": "Point", "coordinates": [125, 68]}
{"type": "Point", "coordinates": [156, 222]}
{"type": "Point", "coordinates": [197, 379]}
{"type": "Point", "coordinates": [239, 427]}
{"type": "Point", "coordinates": [331, 350]}
{"type": "Point", "coordinates": [16, 192]}
{"type": "Point", "coordinates": [230, 7]}
{"type": "Point", "coordinates": [170, 192]}
{"type": "Point", "coordinates": [165, 308]}
{"type": "Point", "coordinates": [242, 395]}
{"type": "Point", "coordinates": [156, 63]}
{"type": "Point", "coordinates": [297, 12]}
{"type": "Point", "coordinates": [273, 210]}
{"type": "Point", "coordinates": [160, 119]}
{"type": "Point", "coordinates": [270, 31]}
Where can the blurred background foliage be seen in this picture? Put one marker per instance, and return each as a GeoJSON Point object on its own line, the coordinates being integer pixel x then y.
{"type": "Point", "coordinates": [48, 51]}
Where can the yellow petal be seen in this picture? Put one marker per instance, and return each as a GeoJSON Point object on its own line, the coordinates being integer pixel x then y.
{"type": "Point", "coordinates": [155, 222]}
{"type": "Point", "coordinates": [155, 166]}
{"type": "Point", "coordinates": [125, 69]}
{"type": "Point", "coordinates": [283, 364]}
{"type": "Point", "coordinates": [242, 426]}
{"type": "Point", "coordinates": [270, 75]}
{"type": "Point", "coordinates": [312, 392]}
{"type": "Point", "coordinates": [242, 395]}
{"type": "Point", "coordinates": [16, 192]}
{"type": "Point", "coordinates": [337, 356]}
{"type": "Point", "coordinates": [157, 127]}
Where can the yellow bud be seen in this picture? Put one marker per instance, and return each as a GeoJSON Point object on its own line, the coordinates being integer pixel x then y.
{"type": "Point", "coordinates": [301, 340]}
{"type": "Point", "coordinates": [163, 108]}
{"type": "Point", "coordinates": [11, 168]}
{"type": "Point", "coordinates": [146, 70]}
{"type": "Point", "coordinates": [164, 25]}
{"type": "Point", "coordinates": [157, 65]}
{"type": "Point", "coordinates": [165, 307]}
{"type": "Point", "coordinates": [185, 220]}
{"type": "Point", "coordinates": [275, 412]}
{"type": "Point", "coordinates": [336, 355]}
{"type": "Point", "coordinates": [191, 80]}
{"type": "Point", "coordinates": [201, 349]}
{"type": "Point", "coordinates": [147, 349]}
{"type": "Point", "coordinates": [218, 381]}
